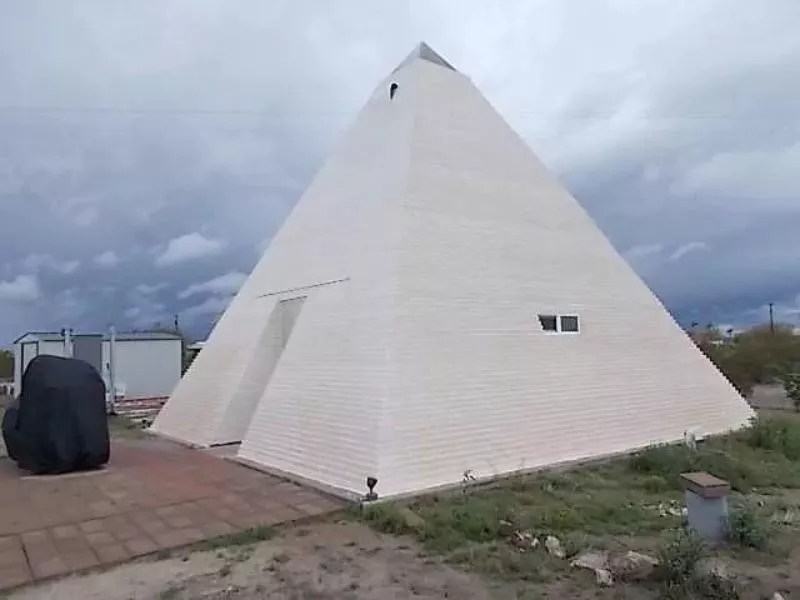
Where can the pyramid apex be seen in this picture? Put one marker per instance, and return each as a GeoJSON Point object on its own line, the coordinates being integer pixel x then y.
{"type": "Point", "coordinates": [424, 52]}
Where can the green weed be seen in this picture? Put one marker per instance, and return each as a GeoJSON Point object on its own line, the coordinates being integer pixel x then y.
{"type": "Point", "coordinates": [679, 555]}
{"type": "Point", "coordinates": [240, 538]}
{"type": "Point", "coordinates": [748, 526]}
{"type": "Point", "coordinates": [386, 517]}
{"type": "Point", "coordinates": [780, 435]}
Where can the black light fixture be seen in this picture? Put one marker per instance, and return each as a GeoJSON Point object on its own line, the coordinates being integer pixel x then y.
{"type": "Point", "coordinates": [392, 90]}
{"type": "Point", "coordinates": [371, 483]}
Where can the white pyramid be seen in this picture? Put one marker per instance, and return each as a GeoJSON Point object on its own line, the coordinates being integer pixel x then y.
{"type": "Point", "coordinates": [392, 328]}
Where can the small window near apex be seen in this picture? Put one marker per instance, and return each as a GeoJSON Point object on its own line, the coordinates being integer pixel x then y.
{"type": "Point", "coordinates": [549, 322]}
{"type": "Point", "coordinates": [569, 324]}
{"type": "Point", "coordinates": [560, 323]}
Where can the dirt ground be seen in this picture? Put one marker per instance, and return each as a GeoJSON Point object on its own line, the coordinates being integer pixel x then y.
{"type": "Point", "coordinates": [345, 560]}
{"type": "Point", "coordinates": [770, 397]}
{"type": "Point", "coordinates": [342, 560]}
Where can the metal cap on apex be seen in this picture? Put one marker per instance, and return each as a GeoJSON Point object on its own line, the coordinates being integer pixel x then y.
{"type": "Point", "coordinates": [425, 52]}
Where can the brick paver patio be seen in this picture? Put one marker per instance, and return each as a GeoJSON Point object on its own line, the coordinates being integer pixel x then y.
{"type": "Point", "coordinates": [153, 495]}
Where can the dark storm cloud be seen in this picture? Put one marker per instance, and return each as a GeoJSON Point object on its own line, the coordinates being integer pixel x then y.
{"type": "Point", "coordinates": [131, 131]}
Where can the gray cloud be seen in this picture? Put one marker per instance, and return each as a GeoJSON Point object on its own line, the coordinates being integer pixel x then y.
{"type": "Point", "coordinates": [127, 127]}
{"type": "Point", "coordinates": [226, 284]}
{"type": "Point", "coordinates": [23, 288]}
{"type": "Point", "coordinates": [188, 247]}
{"type": "Point", "coordinates": [107, 259]}
{"type": "Point", "coordinates": [37, 262]}
{"type": "Point", "coordinates": [685, 249]}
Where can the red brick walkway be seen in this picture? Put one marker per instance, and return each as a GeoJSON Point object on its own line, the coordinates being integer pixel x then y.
{"type": "Point", "coordinates": [153, 495]}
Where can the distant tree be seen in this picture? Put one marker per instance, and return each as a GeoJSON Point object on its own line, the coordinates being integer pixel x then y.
{"type": "Point", "coordinates": [776, 352]}
{"type": "Point", "coordinates": [757, 355]}
{"type": "Point", "coordinates": [708, 335]}
{"type": "Point", "coordinates": [791, 385]}
{"type": "Point", "coordinates": [6, 364]}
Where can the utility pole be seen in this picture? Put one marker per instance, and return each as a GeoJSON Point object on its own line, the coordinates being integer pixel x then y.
{"type": "Point", "coordinates": [112, 379]}
{"type": "Point", "coordinates": [771, 319]}
{"type": "Point", "coordinates": [178, 332]}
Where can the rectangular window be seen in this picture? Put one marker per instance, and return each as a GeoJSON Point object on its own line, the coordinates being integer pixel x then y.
{"type": "Point", "coordinates": [549, 322]}
{"type": "Point", "coordinates": [569, 324]}
{"type": "Point", "coordinates": [560, 323]}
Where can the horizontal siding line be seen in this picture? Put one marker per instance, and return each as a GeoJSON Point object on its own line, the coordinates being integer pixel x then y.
{"type": "Point", "coordinates": [304, 287]}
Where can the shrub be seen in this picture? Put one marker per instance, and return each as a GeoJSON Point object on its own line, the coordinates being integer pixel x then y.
{"type": "Point", "coordinates": [669, 461]}
{"type": "Point", "coordinates": [665, 461]}
{"type": "Point", "coordinates": [654, 484]}
{"type": "Point", "coordinates": [776, 434]}
{"type": "Point", "coordinates": [679, 555]}
{"type": "Point", "coordinates": [741, 371]}
{"type": "Point", "coordinates": [748, 526]}
{"type": "Point", "coordinates": [791, 385]}
{"type": "Point", "coordinates": [711, 586]}
{"type": "Point", "coordinates": [758, 355]}
{"type": "Point", "coordinates": [386, 517]}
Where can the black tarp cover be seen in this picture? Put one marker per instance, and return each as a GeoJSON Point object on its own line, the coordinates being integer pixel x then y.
{"type": "Point", "coordinates": [59, 422]}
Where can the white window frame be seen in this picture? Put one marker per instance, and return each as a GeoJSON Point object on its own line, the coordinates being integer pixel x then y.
{"type": "Point", "coordinates": [558, 317]}
{"type": "Point", "coordinates": [577, 320]}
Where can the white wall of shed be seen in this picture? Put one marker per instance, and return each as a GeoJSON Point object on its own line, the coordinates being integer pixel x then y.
{"type": "Point", "coordinates": [145, 368]}
{"type": "Point", "coordinates": [52, 347]}
{"type": "Point", "coordinates": [18, 367]}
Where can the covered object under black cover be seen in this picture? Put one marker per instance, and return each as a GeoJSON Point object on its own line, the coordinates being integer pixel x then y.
{"type": "Point", "coordinates": [59, 422]}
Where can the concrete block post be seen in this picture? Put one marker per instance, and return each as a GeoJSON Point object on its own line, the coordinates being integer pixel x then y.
{"type": "Point", "coordinates": [707, 506]}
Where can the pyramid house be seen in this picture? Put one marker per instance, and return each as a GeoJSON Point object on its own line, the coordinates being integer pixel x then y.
{"type": "Point", "coordinates": [438, 304]}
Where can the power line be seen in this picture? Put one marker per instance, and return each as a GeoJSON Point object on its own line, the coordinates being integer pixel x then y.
{"type": "Point", "coordinates": [142, 111]}
{"type": "Point", "coordinates": [113, 110]}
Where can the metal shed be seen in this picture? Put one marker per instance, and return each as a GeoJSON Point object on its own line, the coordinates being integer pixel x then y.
{"type": "Point", "coordinates": [145, 365]}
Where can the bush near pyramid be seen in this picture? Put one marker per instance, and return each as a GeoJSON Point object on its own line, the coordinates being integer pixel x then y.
{"type": "Point", "coordinates": [437, 303]}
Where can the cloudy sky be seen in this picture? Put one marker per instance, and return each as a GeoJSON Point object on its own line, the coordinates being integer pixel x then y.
{"type": "Point", "coordinates": [150, 149]}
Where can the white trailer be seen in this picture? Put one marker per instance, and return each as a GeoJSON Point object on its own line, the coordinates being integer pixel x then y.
{"type": "Point", "coordinates": [146, 365]}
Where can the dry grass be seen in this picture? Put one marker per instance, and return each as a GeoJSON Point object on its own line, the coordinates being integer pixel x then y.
{"type": "Point", "coordinates": [122, 427]}
{"type": "Point", "coordinates": [633, 502]}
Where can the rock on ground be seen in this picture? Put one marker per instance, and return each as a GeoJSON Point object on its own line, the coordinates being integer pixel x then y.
{"type": "Point", "coordinates": [633, 566]}
{"type": "Point", "coordinates": [596, 562]}
{"type": "Point", "coordinates": [554, 547]}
